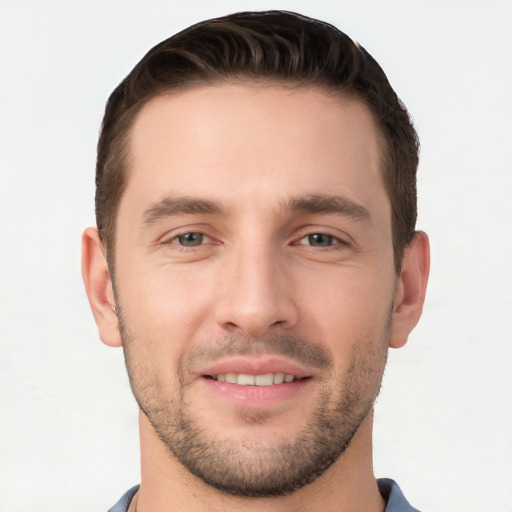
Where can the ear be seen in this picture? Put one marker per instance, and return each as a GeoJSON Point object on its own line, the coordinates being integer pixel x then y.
{"type": "Point", "coordinates": [410, 290]}
{"type": "Point", "coordinates": [98, 286]}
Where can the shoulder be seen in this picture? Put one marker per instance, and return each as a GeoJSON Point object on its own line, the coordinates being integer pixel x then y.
{"type": "Point", "coordinates": [123, 504]}
{"type": "Point", "coordinates": [394, 497]}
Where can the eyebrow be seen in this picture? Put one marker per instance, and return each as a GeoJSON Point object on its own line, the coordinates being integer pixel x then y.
{"type": "Point", "coordinates": [312, 204]}
{"type": "Point", "coordinates": [328, 204]}
{"type": "Point", "coordinates": [170, 206]}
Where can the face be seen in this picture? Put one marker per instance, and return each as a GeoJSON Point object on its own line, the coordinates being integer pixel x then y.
{"type": "Point", "coordinates": [255, 280]}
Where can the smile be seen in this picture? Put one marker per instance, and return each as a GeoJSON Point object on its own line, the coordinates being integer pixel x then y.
{"type": "Point", "coordinates": [244, 379]}
{"type": "Point", "coordinates": [255, 383]}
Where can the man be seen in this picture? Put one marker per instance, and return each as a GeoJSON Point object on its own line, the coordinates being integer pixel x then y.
{"type": "Point", "coordinates": [256, 257]}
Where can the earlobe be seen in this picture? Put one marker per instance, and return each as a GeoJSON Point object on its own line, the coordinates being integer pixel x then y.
{"type": "Point", "coordinates": [98, 287]}
{"type": "Point", "coordinates": [410, 290]}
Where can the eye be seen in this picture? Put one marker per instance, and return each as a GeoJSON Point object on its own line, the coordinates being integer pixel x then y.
{"type": "Point", "coordinates": [319, 240]}
{"type": "Point", "coordinates": [189, 239]}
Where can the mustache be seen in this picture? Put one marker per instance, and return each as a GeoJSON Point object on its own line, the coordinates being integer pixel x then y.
{"type": "Point", "coordinates": [296, 349]}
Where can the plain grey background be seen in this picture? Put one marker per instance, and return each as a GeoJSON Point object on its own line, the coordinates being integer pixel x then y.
{"type": "Point", "coordinates": [68, 429]}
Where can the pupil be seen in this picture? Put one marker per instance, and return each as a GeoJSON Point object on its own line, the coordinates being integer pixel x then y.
{"type": "Point", "coordinates": [190, 239]}
{"type": "Point", "coordinates": [320, 240]}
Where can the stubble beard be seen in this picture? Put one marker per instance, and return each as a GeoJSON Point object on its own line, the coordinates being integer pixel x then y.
{"type": "Point", "coordinates": [250, 468]}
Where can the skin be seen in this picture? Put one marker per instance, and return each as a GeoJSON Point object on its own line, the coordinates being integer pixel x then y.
{"type": "Point", "coordinates": [255, 151]}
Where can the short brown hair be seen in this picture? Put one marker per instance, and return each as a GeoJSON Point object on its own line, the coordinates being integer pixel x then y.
{"type": "Point", "coordinates": [273, 46]}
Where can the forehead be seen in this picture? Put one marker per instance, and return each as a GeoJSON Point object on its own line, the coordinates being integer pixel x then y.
{"type": "Point", "coordinates": [240, 142]}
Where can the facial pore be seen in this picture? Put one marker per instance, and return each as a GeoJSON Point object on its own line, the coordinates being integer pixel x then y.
{"type": "Point", "coordinates": [252, 468]}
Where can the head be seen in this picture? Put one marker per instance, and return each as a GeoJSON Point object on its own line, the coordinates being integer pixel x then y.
{"type": "Point", "coordinates": [272, 47]}
{"type": "Point", "coordinates": [256, 200]}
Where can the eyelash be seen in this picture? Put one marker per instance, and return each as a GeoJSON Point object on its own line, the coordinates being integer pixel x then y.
{"type": "Point", "coordinates": [175, 240]}
{"type": "Point", "coordinates": [336, 242]}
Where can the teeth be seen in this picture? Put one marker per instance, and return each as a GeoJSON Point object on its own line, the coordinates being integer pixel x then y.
{"type": "Point", "coordinates": [243, 379]}
{"type": "Point", "coordinates": [264, 380]}
{"type": "Point", "coordinates": [246, 380]}
{"type": "Point", "coordinates": [278, 378]}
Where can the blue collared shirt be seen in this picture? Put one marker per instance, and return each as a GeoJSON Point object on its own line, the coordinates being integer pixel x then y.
{"type": "Point", "coordinates": [389, 489]}
{"type": "Point", "coordinates": [394, 497]}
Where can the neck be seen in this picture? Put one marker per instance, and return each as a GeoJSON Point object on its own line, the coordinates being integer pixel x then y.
{"type": "Point", "coordinates": [349, 484]}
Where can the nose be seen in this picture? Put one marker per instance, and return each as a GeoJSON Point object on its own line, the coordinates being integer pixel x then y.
{"type": "Point", "coordinates": [256, 293]}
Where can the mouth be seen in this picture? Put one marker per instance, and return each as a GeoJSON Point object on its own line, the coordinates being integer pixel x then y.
{"type": "Point", "coordinates": [265, 379]}
{"type": "Point", "coordinates": [265, 371]}
{"type": "Point", "coordinates": [255, 383]}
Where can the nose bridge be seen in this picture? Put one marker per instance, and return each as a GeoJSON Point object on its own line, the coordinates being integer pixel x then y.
{"type": "Point", "coordinates": [257, 295]}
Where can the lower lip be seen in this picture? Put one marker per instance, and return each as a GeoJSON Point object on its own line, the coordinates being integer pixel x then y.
{"type": "Point", "coordinates": [256, 396]}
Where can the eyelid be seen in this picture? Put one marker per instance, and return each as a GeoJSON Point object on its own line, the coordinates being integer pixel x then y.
{"type": "Point", "coordinates": [340, 237]}
{"type": "Point", "coordinates": [337, 243]}
{"type": "Point", "coordinates": [171, 237]}
{"type": "Point", "coordinates": [206, 239]}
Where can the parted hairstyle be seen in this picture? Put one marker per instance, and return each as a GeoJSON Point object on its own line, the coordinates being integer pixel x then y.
{"type": "Point", "coordinates": [273, 47]}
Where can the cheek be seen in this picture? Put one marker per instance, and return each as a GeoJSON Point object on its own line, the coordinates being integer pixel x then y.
{"type": "Point", "coordinates": [349, 315]}
{"type": "Point", "coordinates": [165, 306]}
{"type": "Point", "coordinates": [347, 300]}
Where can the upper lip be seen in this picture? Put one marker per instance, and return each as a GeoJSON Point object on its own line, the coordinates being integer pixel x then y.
{"type": "Point", "coordinates": [255, 366]}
